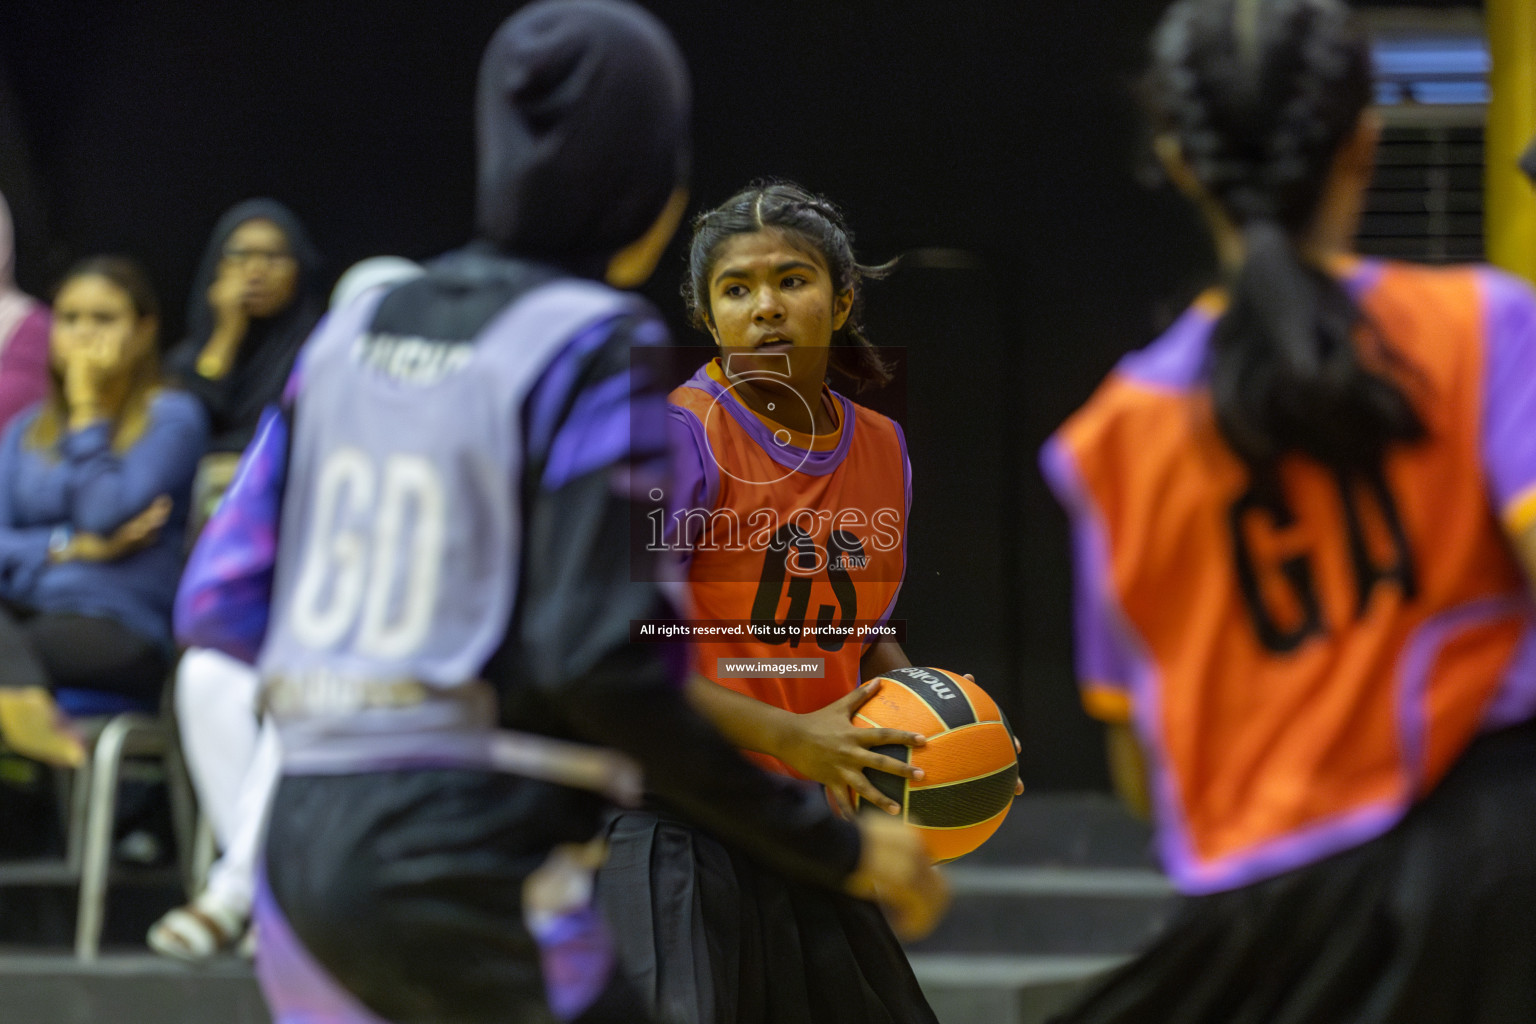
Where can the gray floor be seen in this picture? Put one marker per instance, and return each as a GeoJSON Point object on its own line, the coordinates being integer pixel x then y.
{"type": "Point", "coordinates": [1064, 891]}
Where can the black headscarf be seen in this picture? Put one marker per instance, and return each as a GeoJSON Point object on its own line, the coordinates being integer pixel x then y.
{"type": "Point", "coordinates": [582, 121]}
{"type": "Point", "coordinates": [265, 358]}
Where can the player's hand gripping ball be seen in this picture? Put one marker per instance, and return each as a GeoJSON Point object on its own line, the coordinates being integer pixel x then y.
{"type": "Point", "coordinates": [970, 767]}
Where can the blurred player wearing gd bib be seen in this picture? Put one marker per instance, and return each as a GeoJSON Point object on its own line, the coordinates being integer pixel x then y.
{"type": "Point", "coordinates": [449, 496]}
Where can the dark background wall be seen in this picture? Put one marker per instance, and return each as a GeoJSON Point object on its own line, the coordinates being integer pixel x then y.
{"type": "Point", "coordinates": [995, 143]}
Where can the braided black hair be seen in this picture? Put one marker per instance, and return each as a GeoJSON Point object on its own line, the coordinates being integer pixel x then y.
{"type": "Point", "coordinates": [1260, 96]}
{"type": "Point", "coordinates": [812, 221]}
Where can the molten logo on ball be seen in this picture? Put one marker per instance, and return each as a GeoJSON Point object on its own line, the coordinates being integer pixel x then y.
{"type": "Point", "coordinates": [969, 764]}
{"type": "Point", "coordinates": [934, 682]}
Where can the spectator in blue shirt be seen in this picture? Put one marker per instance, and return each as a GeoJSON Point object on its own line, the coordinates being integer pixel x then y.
{"type": "Point", "coordinates": [94, 487]}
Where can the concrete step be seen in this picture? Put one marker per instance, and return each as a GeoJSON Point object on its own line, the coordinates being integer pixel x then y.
{"type": "Point", "coordinates": [1051, 911]}
{"type": "Point", "coordinates": [1004, 989]}
{"type": "Point", "coordinates": [132, 988]}
{"type": "Point", "coordinates": [995, 880]}
{"type": "Point", "coordinates": [1067, 829]}
{"type": "Point", "coordinates": [126, 989]}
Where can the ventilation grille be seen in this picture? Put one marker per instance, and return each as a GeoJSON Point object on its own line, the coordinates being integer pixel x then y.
{"type": "Point", "coordinates": [1432, 66]}
{"type": "Point", "coordinates": [1426, 202]}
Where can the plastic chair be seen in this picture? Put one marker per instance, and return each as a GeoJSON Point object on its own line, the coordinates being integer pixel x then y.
{"type": "Point", "coordinates": [116, 729]}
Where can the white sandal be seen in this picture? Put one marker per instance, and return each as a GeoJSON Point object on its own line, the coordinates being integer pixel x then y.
{"type": "Point", "coordinates": [247, 947]}
{"type": "Point", "coordinates": [198, 931]}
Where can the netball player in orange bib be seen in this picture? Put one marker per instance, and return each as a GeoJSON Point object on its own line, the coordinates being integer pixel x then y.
{"type": "Point", "coordinates": [791, 511]}
{"type": "Point", "coordinates": [1303, 524]}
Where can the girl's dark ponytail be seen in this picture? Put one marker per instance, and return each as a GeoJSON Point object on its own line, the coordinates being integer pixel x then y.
{"type": "Point", "coordinates": [1260, 96]}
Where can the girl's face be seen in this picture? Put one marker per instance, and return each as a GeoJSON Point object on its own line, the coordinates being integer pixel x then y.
{"type": "Point", "coordinates": [94, 317]}
{"type": "Point", "coordinates": [257, 253]}
{"type": "Point", "coordinates": [773, 308]}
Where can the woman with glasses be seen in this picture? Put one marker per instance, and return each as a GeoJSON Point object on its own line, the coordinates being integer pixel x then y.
{"type": "Point", "coordinates": [255, 299]}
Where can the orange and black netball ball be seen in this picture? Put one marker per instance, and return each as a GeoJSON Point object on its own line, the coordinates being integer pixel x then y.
{"type": "Point", "coordinates": [969, 764]}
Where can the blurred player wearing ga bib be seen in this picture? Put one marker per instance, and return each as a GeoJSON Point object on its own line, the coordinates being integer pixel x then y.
{"type": "Point", "coordinates": [1302, 525]}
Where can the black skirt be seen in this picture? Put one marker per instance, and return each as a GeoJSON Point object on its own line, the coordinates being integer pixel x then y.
{"type": "Point", "coordinates": [713, 938]}
{"type": "Point", "coordinates": [1433, 922]}
{"type": "Point", "coordinates": [407, 888]}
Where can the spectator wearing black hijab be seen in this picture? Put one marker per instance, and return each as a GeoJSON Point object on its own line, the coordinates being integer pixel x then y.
{"type": "Point", "coordinates": [256, 297]}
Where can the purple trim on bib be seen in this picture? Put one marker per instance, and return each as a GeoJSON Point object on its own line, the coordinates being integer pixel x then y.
{"type": "Point", "coordinates": [224, 598]}
{"type": "Point", "coordinates": [1177, 358]}
{"type": "Point", "coordinates": [1100, 658]}
{"type": "Point", "coordinates": [297, 989]}
{"type": "Point", "coordinates": [1508, 442]}
{"type": "Point", "coordinates": [1516, 700]}
{"type": "Point", "coordinates": [1416, 663]}
{"type": "Point", "coordinates": [791, 457]}
{"type": "Point", "coordinates": [1110, 652]}
{"type": "Point", "coordinates": [906, 474]}
{"type": "Point", "coordinates": [1344, 831]}
{"type": "Point", "coordinates": [696, 476]}
{"type": "Point", "coordinates": [546, 403]}
{"type": "Point", "coordinates": [597, 432]}
{"type": "Point", "coordinates": [1288, 852]}
{"type": "Point", "coordinates": [698, 479]}
{"type": "Point", "coordinates": [577, 958]}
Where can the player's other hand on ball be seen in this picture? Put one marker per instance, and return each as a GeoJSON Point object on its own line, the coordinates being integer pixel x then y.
{"type": "Point", "coordinates": [827, 747]}
{"type": "Point", "coordinates": [895, 871]}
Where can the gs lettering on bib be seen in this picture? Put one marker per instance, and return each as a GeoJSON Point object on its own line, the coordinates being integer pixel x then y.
{"type": "Point", "coordinates": [801, 539]}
